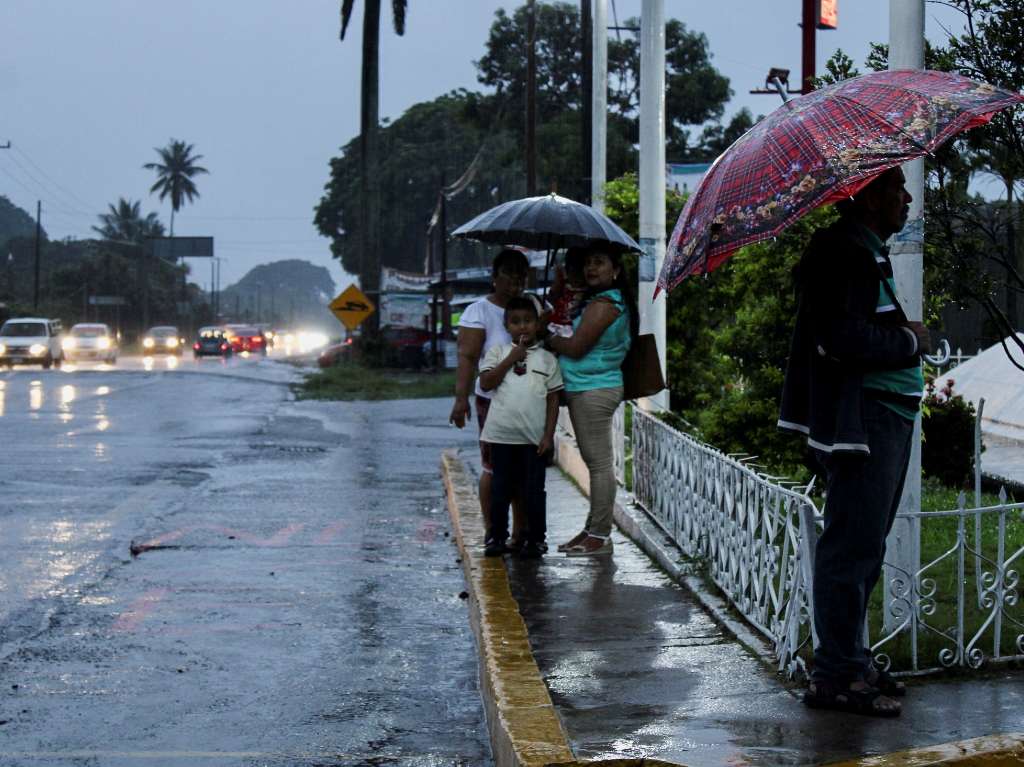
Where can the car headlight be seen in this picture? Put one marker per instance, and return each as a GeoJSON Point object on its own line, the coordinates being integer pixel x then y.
{"type": "Point", "coordinates": [3, 349]}
{"type": "Point", "coordinates": [148, 343]}
{"type": "Point", "coordinates": [171, 342]}
{"type": "Point", "coordinates": [37, 350]}
{"type": "Point", "coordinates": [69, 343]}
{"type": "Point", "coordinates": [103, 342]}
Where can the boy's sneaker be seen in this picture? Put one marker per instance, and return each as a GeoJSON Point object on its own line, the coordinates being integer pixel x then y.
{"type": "Point", "coordinates": [494, 548]}
{"type": "Point", "coordinates": [532, 550]}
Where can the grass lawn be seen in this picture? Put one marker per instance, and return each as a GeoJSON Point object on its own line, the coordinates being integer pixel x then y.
{"type": "Point", "coordinates": [352, 381]}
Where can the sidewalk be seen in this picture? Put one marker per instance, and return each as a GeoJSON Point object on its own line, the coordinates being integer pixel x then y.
{"type": "Point", "coordinates": [636, 667]}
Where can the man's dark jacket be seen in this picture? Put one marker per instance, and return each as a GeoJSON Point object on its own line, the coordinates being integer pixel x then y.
{"type": "Point", "coordinates": [839, 337]}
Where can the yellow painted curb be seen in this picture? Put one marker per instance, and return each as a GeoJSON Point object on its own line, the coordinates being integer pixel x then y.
{"type": "Point", "coordinates": [988, 751]}
{"type": "Point", "coordinates": [525, 730]}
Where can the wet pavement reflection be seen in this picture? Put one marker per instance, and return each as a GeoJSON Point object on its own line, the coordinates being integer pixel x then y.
{"type": "Point", "coordinates": [196, 564]}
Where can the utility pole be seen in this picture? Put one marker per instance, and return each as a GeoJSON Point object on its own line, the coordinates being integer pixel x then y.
{"type": "Point", "coordinates": [39, 231]}
{"type": "Point", "coordinates": [652, 180]}
{"type": "Point", "coordinates": [809, 29]}
{"type": "Point", "coordinates": [906, 51]}
{"type": "Point", "coordinates": [446, 317]}
{"type": "Point", "coordinates": [587, 80]}
{"type": "Point", "coordinates": [531, 101]}
{"type": "Point", "coordinates": [433, 301]}
{"type": "Point", "coordinates": [599, 105]}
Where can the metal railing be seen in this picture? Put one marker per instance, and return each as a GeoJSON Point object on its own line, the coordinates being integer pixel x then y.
{"type": "Point", "coordinates": [748, 529]}
{"type": "Point", "coordinates": [755, 536]}
{"type": "Point", "coordinates": [963, 607]}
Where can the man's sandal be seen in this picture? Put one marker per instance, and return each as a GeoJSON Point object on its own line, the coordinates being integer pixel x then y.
{"type": "Point", "coordinates": [886, 683]}
{"type": "Point", "coordinates": [867, 701]}
{"type": "Point", "coordinates": [591, 546]}
{"type": "Point", "coordinates": [576, 539]}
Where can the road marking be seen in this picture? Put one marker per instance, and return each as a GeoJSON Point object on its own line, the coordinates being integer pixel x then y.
{"type": "Point", "coordinates": [331, 532]}
{"type": "Point", "coordinates": [142, 607]}
{"type": "Point", "coordinates": [325, 758]}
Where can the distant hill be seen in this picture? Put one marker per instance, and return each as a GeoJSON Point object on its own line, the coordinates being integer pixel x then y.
{"type": "Point", "coordinates": [283, 293]}
{"type": "Point", "coordinates": [15, 222]}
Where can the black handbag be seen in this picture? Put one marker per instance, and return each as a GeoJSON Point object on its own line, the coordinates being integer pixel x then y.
{"type": "Point", "coordinates": [641, 369]}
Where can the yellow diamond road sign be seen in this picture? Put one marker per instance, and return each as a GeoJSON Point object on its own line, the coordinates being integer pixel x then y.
{"type": "Point", "coordinates": [352, 307]}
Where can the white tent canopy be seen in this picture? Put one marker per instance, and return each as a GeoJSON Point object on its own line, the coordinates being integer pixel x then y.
{"type": "Point", "coordinates": [993, 376]}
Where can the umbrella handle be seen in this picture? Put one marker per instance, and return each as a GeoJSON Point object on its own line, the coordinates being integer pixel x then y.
{"type": "Point", "coordinates": [942, 357]}
{"type": "Point", "coordinates": [547, 264]}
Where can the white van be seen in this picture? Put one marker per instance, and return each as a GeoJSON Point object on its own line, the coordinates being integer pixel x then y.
{"type": "Point", "coordinates": [31, 340]}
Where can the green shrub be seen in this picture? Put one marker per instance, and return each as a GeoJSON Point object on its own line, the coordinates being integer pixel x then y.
{"type": "Point", "coordinates": [947, 421]}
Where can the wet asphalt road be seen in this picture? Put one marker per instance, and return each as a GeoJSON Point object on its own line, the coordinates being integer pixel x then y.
{"type": "Point", "coordinates": [294, 597]}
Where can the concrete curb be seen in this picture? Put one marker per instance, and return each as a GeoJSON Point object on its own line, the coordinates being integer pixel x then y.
{"type": "Point", "coordinates": [989, 751]}
{"type": "Point", "coordinates": [524, 727]}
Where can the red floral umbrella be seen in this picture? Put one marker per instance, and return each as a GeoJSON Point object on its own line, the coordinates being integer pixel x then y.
{"type": "Point", "coordinates": [817, 149]}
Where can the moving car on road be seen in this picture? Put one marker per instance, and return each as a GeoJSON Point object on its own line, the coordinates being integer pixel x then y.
{"type": "Point", "coordinates": [90, 341]}
{"type": "Point", "coordinates": [31, 340]}
{"type": "Point", "coordinates": [336, 354]}
{"type": "Point", "coordinates": [162, 339]}
{"type": "Point", "coordinates": [212, 342]}
{"type": "Point", "coordinates": [246, 338]}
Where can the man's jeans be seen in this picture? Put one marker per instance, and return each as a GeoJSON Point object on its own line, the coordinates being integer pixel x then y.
{"type": "Point", "coordinates": [862, 498]}
{"type": "Point", "coordinates": [518, 470]}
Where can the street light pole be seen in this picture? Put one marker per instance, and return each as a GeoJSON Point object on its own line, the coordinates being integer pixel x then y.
{"type": "Point", "coordinates": [599, 101]}
{"type": "Point", "coordinates": [809, 28]}
{"type": "Point", "coordinates": [652, 180]}
{"type": "Point", "coordinates": [531, 99]}
{"type": "Point", "coordinates": [587, 123]}
{"type": "Point", "coordinates": [906, 51]}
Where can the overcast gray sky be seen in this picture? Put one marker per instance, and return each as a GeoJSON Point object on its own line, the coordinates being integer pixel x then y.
{"type": "Point", "coordinates": [268, 94]}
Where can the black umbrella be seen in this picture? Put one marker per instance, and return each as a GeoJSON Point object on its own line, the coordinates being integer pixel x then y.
{"type": "Point", "coordinates": [546, 223]}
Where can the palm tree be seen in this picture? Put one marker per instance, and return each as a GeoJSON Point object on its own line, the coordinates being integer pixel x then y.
{"type": "Point", "coordinates": [369, 119]}
{"type": "Point", "coordinates": [174, 174]}
{"type": "Point", "coordinates": [124, 223]}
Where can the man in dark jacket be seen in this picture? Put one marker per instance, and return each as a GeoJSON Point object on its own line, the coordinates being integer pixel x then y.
{"type": "Point", "coordinates": [853, 388]}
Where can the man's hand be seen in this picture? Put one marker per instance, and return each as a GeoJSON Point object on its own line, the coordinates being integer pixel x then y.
{"type": "Point", "coordinates": [924, 337]}
{"type": "Point", "coordinates": [460, 412]}
{"type": "Point", "coordinates": [546, 443]}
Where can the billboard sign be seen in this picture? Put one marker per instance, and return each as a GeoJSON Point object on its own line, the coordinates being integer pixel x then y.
{"type": "Point", "coordinates": [828, 14]}
{"type": "Point", "coordinates": [173, 248]}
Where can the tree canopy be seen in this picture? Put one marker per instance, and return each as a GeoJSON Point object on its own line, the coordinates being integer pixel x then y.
{"type": "Point", "coordinates": [438, 140]}
{"type": "Point", "coordinates": [124, 222]}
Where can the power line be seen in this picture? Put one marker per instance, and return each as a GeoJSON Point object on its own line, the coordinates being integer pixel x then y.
{"type": "Point", "coordinates": [47, 192]}
{"type": "Point", "coordinates": [46, 175]}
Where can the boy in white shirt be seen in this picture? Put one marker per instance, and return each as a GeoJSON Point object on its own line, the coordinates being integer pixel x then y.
{"type": "Point", "coordinates": [525, 380]}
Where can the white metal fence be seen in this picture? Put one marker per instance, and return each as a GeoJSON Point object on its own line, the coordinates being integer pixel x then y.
{"type": "Point", "coordinates": [756, 534]}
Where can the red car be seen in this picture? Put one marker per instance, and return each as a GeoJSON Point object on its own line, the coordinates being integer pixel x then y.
{"type": "Point", "coordinates": [336, 354]}
{"type": "Point", "coordinates": [245, 338]}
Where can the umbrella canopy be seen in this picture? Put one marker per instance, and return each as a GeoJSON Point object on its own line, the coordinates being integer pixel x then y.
{"type": "Point", "coordinates": [817, 149]}
{"type": "Point", "coordinates": [546, 223]}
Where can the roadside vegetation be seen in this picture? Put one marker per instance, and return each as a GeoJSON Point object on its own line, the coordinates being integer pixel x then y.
{"type": "Point", "coordinates": [353, 381]}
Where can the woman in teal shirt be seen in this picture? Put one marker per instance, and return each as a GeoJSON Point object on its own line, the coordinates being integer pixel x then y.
{"type": "Point", "coordinates": [591, 361]}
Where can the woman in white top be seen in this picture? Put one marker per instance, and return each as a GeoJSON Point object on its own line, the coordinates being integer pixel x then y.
{"type": "Point", "coordinates": [482, 326]}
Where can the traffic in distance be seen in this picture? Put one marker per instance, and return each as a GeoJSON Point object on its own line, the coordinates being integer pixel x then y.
{"type": "Point", "coordinates": [43, 342]}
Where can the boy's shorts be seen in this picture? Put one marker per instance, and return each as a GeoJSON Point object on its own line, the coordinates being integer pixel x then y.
{"type": "Point", "coordinates": [482, 405]}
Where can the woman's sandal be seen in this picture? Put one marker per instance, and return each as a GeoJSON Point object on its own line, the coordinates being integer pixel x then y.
{"type": "Point", "coordinates": [576, 539]}
{"type": "Point", "coordinates": [867, 701]}
{"type": "Point", "coordinates": [586, 547]}
{"type": "Point", "coordinates": [884, 682]}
